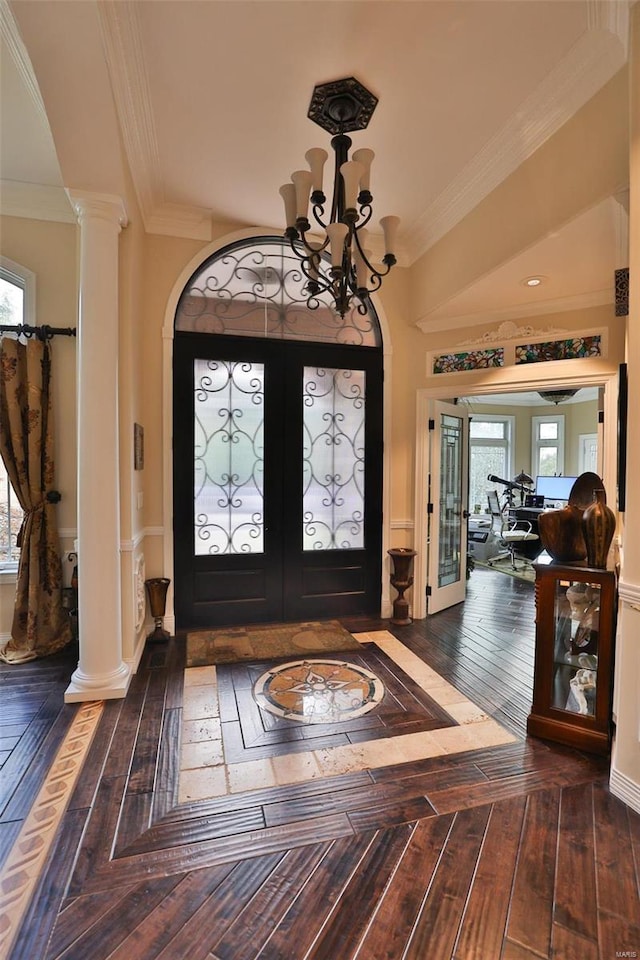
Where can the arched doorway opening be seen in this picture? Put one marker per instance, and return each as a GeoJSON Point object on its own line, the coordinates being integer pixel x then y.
{"type": "Point", "coordinates": [277, 446]}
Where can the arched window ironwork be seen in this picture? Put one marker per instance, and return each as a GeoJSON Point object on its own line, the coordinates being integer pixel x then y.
{"type": "Point", "coordinates": [255, 288]}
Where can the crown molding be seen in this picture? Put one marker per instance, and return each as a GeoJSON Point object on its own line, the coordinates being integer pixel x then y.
{"type": "Point", "coordinates": [582, 301]}
{"type": "Point", "coordinates": [591, 62]}
{"type": "Point", "coordinates": [127, 69]}
{"type": "Point", "coordinates": [612, 17]}
{"type": "Point", "coordinates": [35, 201]}
{"type": "Point", "coordinates": [175, 220]}
{"type": "Point", "coordinates": [21, 59]}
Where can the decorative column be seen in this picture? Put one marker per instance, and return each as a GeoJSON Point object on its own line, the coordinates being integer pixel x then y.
{"type": "Point", "coordinates": [101, 672]}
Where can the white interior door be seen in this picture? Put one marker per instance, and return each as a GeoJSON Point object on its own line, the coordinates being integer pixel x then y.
{"type": "Point", "coordinates": [588, 453]}
{"type": "Point", "coordinates": [447, 511]}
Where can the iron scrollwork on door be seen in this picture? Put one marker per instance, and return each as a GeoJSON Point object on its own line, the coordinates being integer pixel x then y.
{"type": "Point", "coordinates": [333, 459]}
{"type": "Point", "coordinates": [228, 457]}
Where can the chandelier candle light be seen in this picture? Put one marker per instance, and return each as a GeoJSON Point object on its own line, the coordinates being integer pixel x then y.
{"type": "Point", "coordinates": [338, 107]}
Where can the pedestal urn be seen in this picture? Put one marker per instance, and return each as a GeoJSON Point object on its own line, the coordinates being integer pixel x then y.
{"type": "Point", "coordinates": [157, 592]}
{"type": "Point", "coordinates": [401, 578]}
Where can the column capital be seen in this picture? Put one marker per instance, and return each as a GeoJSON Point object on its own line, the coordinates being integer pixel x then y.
{"type": "Point", "coordinates": [88, 205]}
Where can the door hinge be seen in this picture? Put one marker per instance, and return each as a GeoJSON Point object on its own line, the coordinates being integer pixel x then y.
{"type": "Point", "coordinates": [428, 591]}
{"type": "Point", "coordinates": [600, 416]}
{"type": "Point", "coordinates": [432, 424]}
{"type": "Point", "coordinates": [429, 508]}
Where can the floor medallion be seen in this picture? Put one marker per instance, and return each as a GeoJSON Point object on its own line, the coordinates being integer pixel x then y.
{"type": "Point", "coordinates": [318, 691]}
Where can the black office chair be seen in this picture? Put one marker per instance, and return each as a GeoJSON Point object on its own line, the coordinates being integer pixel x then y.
{"type": "Point", "coordinates": [510, 534]}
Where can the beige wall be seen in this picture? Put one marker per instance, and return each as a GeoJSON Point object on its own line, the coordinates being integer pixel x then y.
{"type": "Point", "coordinates": [542, 193]}
{"type": "Point", "coordinates": [49, 250]}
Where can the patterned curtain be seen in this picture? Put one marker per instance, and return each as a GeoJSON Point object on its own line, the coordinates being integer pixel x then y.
{"type": "Point", "coordinates": [40, 624]}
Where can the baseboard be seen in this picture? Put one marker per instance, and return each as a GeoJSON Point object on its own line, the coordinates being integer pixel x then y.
{"type": "Point", "coordinates": [134, 661]}
{"type": "Point", "coordinates": [624, 789]}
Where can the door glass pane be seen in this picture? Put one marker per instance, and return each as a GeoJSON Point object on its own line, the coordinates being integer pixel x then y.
{"type": "Point", "coordinates": [450, 519]}
{"type": "Point", "coordinates": [228, 457]}
{"type": "Point", "coordinates": [333, 459]}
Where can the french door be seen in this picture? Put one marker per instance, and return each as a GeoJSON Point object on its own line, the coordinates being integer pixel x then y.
{"type": "Point", "coordinates": [447, 497]}
{"type": "Point", "coordinates": [277, 452]}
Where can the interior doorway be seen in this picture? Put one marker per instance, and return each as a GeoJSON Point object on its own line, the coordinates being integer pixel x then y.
{"type": "Point", "coordinates": [602, 394]}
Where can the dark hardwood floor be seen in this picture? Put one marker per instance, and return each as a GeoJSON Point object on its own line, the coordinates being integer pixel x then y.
{"type": "Point", "coordinates": [510, 853]}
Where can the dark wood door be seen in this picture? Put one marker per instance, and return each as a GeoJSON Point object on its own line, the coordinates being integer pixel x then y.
{"type": "Point", "coordinates": [277, 480]}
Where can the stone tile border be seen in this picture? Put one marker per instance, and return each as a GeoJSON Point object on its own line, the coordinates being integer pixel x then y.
{"type": "Point", "coordinates": [204, 773]}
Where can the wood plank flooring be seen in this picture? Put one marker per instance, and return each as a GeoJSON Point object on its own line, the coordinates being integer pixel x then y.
{"type": "Point", "coordinates": [513, 853]}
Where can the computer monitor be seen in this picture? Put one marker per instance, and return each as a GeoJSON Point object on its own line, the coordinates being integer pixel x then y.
{"type": "Point", "coordinates": [554, 488]}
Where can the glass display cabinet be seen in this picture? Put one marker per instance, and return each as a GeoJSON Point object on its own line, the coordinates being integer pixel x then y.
{"type": "Point", "coordinates": [573, 676]}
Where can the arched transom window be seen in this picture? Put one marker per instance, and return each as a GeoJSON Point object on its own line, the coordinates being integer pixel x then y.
{"type": "Point", "coordinates": [256, 288]}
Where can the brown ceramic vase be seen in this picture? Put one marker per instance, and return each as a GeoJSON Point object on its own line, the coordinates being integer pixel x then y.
{"type": "Point", "coordinates": [561, 534]}
{"type": "Point", "coordinates": [598, 527]}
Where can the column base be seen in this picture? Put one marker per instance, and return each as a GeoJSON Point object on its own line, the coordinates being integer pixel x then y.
{"type": "Point", "coordinates": [108, 686]}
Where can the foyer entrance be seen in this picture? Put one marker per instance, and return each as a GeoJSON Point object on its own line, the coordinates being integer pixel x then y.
{"type": "Point", "coordinates": [277, 453]}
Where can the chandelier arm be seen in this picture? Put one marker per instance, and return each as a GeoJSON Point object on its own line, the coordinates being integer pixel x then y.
{"type": "Point", "coordinates": [376, 281]}
{"type": "Point", "coordinates": [318, 214]}
{"type": "Point", "coordinates": [311, 250]}
{"type": "Point", "coordinates": [321, 283]}
{"type": "Point", "coordinates": [366, 212]}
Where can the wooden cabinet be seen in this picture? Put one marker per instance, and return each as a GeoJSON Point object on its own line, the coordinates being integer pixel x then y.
{"type": "Point", "coordinates": [575, 629]}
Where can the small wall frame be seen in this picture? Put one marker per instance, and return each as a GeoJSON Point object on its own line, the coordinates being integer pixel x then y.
{"type": "Point", "coordinates": [138, 447]}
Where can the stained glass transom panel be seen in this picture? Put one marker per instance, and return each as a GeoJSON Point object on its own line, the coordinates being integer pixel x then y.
{"type": "Point", "coordinates": [573, 349]}
{"type": "Point", "coordinates": [257, 289]}
{"type": "Point", "coordinates": [228, 457]}
{"type": "Point", "coordinates": [333, 459]}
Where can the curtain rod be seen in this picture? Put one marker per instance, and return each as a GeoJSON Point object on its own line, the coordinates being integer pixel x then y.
{"type": "Point", "coordinates": [41, 333]}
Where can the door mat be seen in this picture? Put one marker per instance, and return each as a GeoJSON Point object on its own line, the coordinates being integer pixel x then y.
{"type": "Point", "coordinates": [207, 647]}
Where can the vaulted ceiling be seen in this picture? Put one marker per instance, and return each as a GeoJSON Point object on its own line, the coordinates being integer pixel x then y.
{"type": "Point", "coordinates": [209, 102]}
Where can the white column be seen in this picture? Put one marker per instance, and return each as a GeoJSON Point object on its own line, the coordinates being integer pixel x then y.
{"type": "Point", "coordinates": [101, 672]}
{"type": "Point", "coordinates": [625, 764]}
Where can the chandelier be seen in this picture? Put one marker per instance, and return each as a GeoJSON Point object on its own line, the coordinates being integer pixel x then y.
{"type": "Point", "coordinates": [557, 396]}
{"type": "Point", "coordinates": [338, 107]}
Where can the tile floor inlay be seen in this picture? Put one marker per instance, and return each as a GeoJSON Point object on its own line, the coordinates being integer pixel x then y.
{"type": "Point", "coordinates": [318, 691]}
{"type": "Point", "coordinates": [229, 745]}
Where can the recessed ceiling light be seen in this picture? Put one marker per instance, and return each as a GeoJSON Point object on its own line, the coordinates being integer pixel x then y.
{"type": "Point", "coordinates": [533, 281]}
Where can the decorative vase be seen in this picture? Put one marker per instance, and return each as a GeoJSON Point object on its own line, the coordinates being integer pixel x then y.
{"type": "Point", "coordinates": [401, 578]}
{"type": "Point", "coordinates": [157, 593]}
{"type": "Point", "coordinates": [561, 534]}
{"type": "Point", "coordinates": [598, 527]}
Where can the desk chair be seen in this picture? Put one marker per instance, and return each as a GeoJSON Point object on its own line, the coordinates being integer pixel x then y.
{"type": "Point", "coordinates": [509, 533]}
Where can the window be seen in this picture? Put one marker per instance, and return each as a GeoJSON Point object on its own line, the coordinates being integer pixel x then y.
{"type": "Point", "coordinates": [547, 446]}
{"type": "Point", "coordinates": [16, 306]}
{"type": "Point", "coordinates": [491, 440]}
